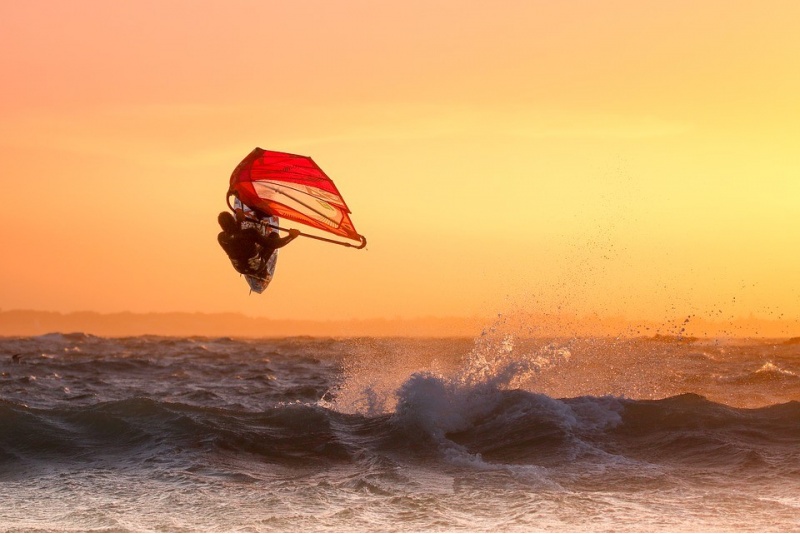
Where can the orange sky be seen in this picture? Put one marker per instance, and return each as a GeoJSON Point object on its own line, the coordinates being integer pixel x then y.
{"type": "Point", "coordinates": [619, 157]}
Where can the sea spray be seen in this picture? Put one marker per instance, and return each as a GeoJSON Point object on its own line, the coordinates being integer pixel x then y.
{"type": "Point", "coordinates": [376, 370]}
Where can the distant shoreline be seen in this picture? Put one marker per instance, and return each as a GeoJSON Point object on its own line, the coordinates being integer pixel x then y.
{"type": "Point", "coordinates": [32, 323]}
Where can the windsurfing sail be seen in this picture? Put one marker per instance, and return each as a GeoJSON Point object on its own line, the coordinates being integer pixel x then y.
{"type": "Point", "coordinates": [294, 188]}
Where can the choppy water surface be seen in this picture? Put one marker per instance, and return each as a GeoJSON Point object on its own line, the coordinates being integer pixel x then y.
{"type": "Point", "coordinates": [496, 433]}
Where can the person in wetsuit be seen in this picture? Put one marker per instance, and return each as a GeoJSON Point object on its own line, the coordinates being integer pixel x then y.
{"type": "Point", "coordinates": [247, 249]}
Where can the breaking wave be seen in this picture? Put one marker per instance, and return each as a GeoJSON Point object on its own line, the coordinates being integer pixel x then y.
{"type": "Point", "coordinates": [474, 424]}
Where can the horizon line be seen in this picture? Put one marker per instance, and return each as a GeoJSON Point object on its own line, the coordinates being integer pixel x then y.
{"type": "Point", "coordinates": [531, 324]}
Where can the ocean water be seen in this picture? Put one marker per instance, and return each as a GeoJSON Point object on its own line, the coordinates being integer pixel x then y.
{"type": "Point", "coordinates": [496, 433]}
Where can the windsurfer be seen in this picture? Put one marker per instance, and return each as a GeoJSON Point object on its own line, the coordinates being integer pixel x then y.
{"type": "Point", "coordinates": [248, 250]}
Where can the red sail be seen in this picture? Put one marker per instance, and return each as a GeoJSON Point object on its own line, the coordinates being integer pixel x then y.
{"type": "Point", "coordinates": [294, 188]}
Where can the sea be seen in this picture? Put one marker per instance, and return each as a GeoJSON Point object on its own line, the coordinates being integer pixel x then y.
{"type": "Point", "coordinates": [497, 432]}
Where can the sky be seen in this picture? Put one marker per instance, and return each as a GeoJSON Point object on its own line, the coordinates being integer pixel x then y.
{"type": "Point", "coordinates": [622, 157]}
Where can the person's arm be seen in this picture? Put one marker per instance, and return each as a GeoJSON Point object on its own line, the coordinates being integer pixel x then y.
{"type": "Point", "coordinates": [275, 242]}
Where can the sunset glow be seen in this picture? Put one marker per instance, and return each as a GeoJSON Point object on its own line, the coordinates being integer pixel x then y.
{"type": "Point", "coordinates": [623, 158]}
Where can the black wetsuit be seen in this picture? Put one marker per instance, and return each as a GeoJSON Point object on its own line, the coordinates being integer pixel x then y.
{"type": "Point", "coordinates": [249, 251]}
